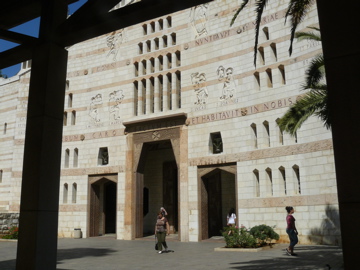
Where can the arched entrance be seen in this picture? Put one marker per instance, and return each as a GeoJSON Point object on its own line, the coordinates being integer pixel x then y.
{"type": "Point", "coordinates": [156, 186]}
{"type": "Point", "coordinates": [102, 206]}
{"type": "Point", "coordinates": [218, 194]}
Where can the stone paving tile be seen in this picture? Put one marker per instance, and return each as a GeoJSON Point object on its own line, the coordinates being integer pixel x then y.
{"type": "Point", "coordinates": [111, 254]}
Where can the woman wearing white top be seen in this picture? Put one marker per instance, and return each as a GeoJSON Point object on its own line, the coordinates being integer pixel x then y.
{"type": "Point", "coordinates": [231, 218]}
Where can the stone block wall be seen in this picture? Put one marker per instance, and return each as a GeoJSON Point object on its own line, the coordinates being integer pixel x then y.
{"type": "Point", "coordinates": [8, 220]}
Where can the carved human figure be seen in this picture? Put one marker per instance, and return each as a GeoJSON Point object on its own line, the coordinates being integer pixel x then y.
{"type": "Point", "coordinates": [198, 19]}
{"type": "Point", "coordinates": [115, 99]}
{"type": "Point", "coordinates": [229, 85]}
{"type": "Point", "coordinates": [113, 41]}
{"type": "Point", "coordinates": [198, 79]}
{"type": "Point", "coordinates": [96, 101]}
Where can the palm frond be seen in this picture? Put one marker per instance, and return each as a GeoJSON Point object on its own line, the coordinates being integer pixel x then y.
{"type": "Point", "coordinates": [315, 73]}
{"type": "Point", "coordinates": [242, 6]}
{"type": "Point", "coordinates": [307, 36]}
{"type": "Point", "coordinates": [260, 6]}
{"type": "Point", "coordinates": [297, 10]}
{"type": "Point", "coordinates": [312, 103]}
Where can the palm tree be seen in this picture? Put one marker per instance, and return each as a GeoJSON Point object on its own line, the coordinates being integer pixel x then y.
{"type": "Point", "coordinates": [315, 101]}
{"type": "Point", "coordinates": [297, 10]}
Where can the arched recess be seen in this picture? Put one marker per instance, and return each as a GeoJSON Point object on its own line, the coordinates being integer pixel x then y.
{"type": "Point", "coordinates": [102, 204]}
{"type": "Point", "coordinates": [217, 193]}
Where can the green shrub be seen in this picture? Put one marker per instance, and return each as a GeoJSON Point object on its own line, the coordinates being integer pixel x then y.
{"type": "Point", "coordinates": [264, 234]}
{"type": "Point", "coordinates": [257, 236]}
{"type": "Point", "coordinates": [238, 238]}
{"type": "Point", "coordinates": [13, 233]}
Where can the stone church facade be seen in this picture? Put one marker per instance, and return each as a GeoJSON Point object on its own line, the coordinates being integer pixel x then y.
{"type": "Point", "coordinates": [172, 112]}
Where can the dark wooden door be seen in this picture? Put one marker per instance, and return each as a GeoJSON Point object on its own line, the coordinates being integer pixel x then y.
{"type": "Point", "coordinates": [95, 213]}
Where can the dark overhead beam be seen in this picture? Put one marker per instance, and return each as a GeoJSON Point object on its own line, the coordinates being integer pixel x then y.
{"type": "Point", "coordinates": [16, 37]}
{"type": "Point", "coordinates": [15, 56]}
{"type": "Point", "coordinates": [71, 33]}
{"type": "Point", "coordinates": [17, 12]}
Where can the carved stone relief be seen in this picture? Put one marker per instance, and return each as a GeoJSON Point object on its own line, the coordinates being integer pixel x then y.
{"type": "Point", "coordinates": [95, 104]}
{"type": "Point", "coordinates": [201, 92]}
{"type": "Point", "coordinates": [198, 19]}
{"type": "Point", "coordinates": [165, 134]}
{"type": "Point", "coordinates": [115, 99]}
{"type": "Point", "coordinates": [113, 41]}
{"type": "Point", "coordinates": [226, 77]}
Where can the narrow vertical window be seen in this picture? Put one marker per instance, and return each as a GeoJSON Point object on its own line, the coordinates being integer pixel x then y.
{"type": "Point", "coordinates": [148, 45]}
{"type": "Point", "coordinates": [274, 52]}
{"type": "Point", "coordinates": [256, 183]}
{"type": "Point", "coordinates": [70, 100]}
{"type": "Point", "coordinates": [74, 193]}
{"type": "Point", "coordinates": [143, 67]}
{"type": "Point", "coordinates": [103, 156]}
{"type": "Point", "coordinates": [144, 27]}
{"type": "Point", "coordinates": [164, 41]}
{"type": "Point", "coordinates": [136, 69]}
{"type": "Point", "coordinates": [283, 179]}
{"type": "Point", "coordinates": [73, 118]}
{"type": "Point", "coordinates": [152, 95]}
{"type": "Point", "coordinates": [152, 65]}
{"type": "Point", "coordinates": [161, 93]}
{"type": "Point", "coordinates": [169, 88]}
{"type": "Point", "coordinates": [269, 78]}
{"type": "Point", "coordinates": [65, 193]}
{"type": "Point", "coordinates": [169, 60]}
{"type": "Point", "coordinates": [1, 175]}
{"type": "Point", "coordinates": [135, 84]}
{"type": "Point", "coordinates": [267, 133]}
{"type": "Point", "coordinates": [161, 61]}
{"type": "Point", "coordinates": [169, 22]}
{"type": "Point", "coordinates": [266, 32]}
{"type": "Point", "coordinates": [65, 119]}
{"type": "Point", "coordinates": [254, 135]}
{"type": "Point", "coordinates": [156, 42]}
{"type": "Point", "coordinates": [5, 128]}
{"type": "Point", "coordinates": [152, 26]}
{"type": "Point", "coordinates": [67, 158]}
{"type": "Point", "coordinates": [76, 158]}
{"type": "Point", "coordinates": [173, 38]}
{"type": "Point", "coordinates": [178, 86]}
{"type": "Point", "coordinates": [161, 24]}
{"type": "Point", "coordinates": [67, 85]}
{"type": "Point", "coordinates": [282, 74]}
{"type": "Point", "coordinates": [257, 81]}
{"type": "Point", "coordinates": [178, 58]}
{"type": "Point", "coordinates": [297, 178]}
{"type": "Point", "coordinates": [269, 184]}
{"type": "Point", "coordinates": [261, 55]}
{"type": "Point", "coordinates": [143, 95]}
{"type": "Point", "coordinates": [216, 143]}
{"type": "Point", "coordinates": [141, 49]}
{"type": "Point", "coordinates": [281, 133]}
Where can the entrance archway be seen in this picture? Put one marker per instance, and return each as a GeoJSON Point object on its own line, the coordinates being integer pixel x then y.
{"type": "Point", "coordinates": [102, 206]}
{"type": "Point", "coordinates": [218, 194]}
{"type": "Point", "coordinates": [156, 186]}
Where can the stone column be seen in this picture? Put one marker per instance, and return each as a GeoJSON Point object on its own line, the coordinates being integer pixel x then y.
{"type": "Point", "coordinates": [156, 95]}
{"type": "Point", "coordinates": [39, 207]}
{"type": "Point", "coordinates": [174, 93]}
{"type": "Point", "coordinates": [147, 97]}
{"type": "Point", "coordinates": [165, 93]}
{"type": "Point", "coordinates": [140, 98]}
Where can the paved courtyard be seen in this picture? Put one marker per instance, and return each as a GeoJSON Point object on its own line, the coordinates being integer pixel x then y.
{"type": "Point", "coordinates": [106, 253]}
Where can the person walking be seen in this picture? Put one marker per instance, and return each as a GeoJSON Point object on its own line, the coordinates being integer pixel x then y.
{"type": "Point", "coordinates": [161, 230]}
{"type": "Point", "coordinates": [231, 218]}
{"type": "Point", "coordinates": [291, 230]}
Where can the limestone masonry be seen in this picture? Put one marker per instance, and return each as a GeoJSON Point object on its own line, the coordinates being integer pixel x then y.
{"type": "Point", "coordinates": [172, 112]}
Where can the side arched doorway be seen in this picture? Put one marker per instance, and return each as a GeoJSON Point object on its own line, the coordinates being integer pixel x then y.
{"type": "Point", "coordinates": [102, 205]}
{"type": "Point", "coordinates": [217, 186]}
